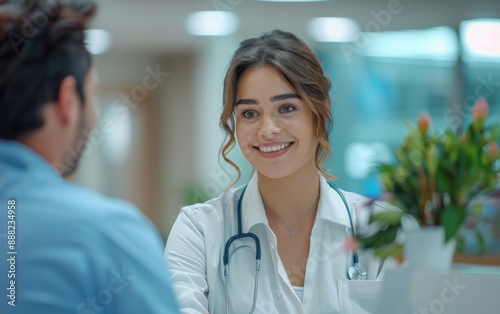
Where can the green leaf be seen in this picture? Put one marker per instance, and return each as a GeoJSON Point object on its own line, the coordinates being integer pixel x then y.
{"type": "Point", "coordinates": [460, 243]}
{"type": "Point", "coordinates": [432, 159]}
{"type": "Point", "coordinates": [451, 219]}
{"type": "Point", "coordinates": [390, 250]}
{"type": "Point", "coordinates": [392, 218]}
{"type": "Point", "coordinates": [480, 242]}
{"type": "Point", "coordinates": [495, 130]}
{"type": "Point", "coordinates": [384, 237]}
{"type": "Point", "coordinates": [443, 182]}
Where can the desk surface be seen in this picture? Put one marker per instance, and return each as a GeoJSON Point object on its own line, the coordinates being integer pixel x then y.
{"type": "Point", "coordinates": [465, 289]}
{"type": "Point", "coordinates": [492, 259]}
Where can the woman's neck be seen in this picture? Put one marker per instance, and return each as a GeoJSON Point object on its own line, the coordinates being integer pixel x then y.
{"type": "Point", "coordinates": [290, 197]}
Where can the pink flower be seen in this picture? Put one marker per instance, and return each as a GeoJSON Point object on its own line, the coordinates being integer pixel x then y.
{"type": "Point", "coordinates": [480, 110]}
{"type": "Point", "coordinates": [387, 197]}
{"type": "Point", "coordinates": [423, 122]}
{"type": "Point", "coordinates": [493, 149]}
{"type": "Point", "coordinates": [350, 244]}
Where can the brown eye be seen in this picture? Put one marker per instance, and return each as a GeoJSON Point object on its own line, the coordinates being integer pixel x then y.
{"type": "Point", "coordinates": [249, 114]}
{"type": "Point", "coordinates": [287, 108]}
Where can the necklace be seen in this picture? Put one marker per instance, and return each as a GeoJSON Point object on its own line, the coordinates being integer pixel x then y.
{"type": "Point", "coordinates": [297, 221]}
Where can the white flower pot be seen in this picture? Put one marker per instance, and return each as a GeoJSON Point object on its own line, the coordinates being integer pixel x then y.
{"type": "Point", "coordinates": [425, 249]}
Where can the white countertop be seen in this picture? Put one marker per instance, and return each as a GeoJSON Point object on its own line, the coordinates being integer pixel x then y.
{"type": "Point", "coordinates": [464, 289]}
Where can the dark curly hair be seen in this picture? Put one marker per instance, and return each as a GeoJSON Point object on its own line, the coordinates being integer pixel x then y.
{"type": "Point", "coordinates": [300, 66]}
{"type": "Point", "coordinates": [41, 43]}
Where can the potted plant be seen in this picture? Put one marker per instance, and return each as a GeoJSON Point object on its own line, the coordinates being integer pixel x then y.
{"type": "Point", "coordinates": [434, 181]}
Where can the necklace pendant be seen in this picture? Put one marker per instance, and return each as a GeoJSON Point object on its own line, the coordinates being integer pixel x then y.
{"type": "Point", "coordinates": [292, 233]}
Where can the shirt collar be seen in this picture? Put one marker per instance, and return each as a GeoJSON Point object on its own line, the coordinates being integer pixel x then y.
{"type": "Point", "coordinates": [18, 156]}
{"type": "Point", "coordinates": [252, 208]}
{"type": "Point", "coordinates": [331, 207]}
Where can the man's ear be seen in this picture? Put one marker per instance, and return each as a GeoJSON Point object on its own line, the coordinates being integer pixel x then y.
{"type": "Point", "coordinates": [67, 99]}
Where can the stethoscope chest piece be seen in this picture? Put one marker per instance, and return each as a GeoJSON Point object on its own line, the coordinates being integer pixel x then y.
{"type": "Point", "coordinates": [356, 272]}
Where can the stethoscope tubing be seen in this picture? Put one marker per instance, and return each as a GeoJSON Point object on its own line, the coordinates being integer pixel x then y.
{"type": "Point", "coordinates": [354, 272]}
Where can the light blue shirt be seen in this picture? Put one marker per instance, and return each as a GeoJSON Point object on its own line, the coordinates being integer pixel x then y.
{"type": "Point", "coordinates": [75, 251]}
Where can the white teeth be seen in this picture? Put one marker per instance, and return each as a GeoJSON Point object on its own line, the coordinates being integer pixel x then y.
{"type": "Point", "coordinates": [270, 149]}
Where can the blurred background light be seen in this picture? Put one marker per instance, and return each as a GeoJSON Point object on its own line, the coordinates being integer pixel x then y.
{"type": "Point", "coordinates": [118, 141]}
{"type": "Point", "coordinates": [98, 41]}
{"type": "Point", "coordinates": [333, 29]}
{"type": "Point", "coordinates": [437, 43]}
{"type": "Point", "coordinates": [361, 158]}
{"type": "Point", "coordinates": [292, 0]}
{"type": "Point", "coordinates": [481, 40]}
{"type": "Point", "coordinates": [212, 23]}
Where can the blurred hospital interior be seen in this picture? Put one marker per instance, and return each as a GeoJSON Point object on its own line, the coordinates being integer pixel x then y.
{"type": "Point", "coordinates": [161, 64]}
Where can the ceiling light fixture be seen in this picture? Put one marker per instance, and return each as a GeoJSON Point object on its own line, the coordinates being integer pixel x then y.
{"type": "Point", "coordinates": [333, 29]}
{"type": "Point", "coordinates": [212, 23]}
{"type": "Point", "coordinates": [480, 39]}
{"type": "Point", "coordinates": [437, 43]}
{"type": "Point", "coordinates": [97, 41]}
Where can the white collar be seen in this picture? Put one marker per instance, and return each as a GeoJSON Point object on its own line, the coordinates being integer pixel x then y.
{"type": "Point", "coordinates": [252, 208]}
{"type": "Point", "coordinates": [330, 208]}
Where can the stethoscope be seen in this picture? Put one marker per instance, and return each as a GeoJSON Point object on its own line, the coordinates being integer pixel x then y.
{"type": "Point", "coordinates": [355, 272]}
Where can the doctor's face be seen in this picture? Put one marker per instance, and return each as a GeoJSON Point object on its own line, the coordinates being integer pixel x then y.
{"type": "Point", "coordinates": [274, 126]}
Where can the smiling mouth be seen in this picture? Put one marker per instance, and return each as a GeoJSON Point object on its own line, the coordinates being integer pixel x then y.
{"type": "Point", "coordinates": [272, 149]}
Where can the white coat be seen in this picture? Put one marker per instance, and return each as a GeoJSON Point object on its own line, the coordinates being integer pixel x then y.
{"type": "Point", "coordinates": [195, 247]}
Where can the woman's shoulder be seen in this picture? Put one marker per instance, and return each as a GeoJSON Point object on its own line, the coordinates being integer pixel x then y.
{"type": "Point", "coordinates": [218, 206]}
{"type": "Point", "coordinates": [363, 205]}
{"type": "Point", "coordinates": [207, 220]}
{"type": "Point", "coordinates": [351, 197]}
{"type": "Point", "coordinates": [374, 203]}
{"type": "Point", "coordinates": [333, 189]}
{"type": "Point", "coordinates": [355, 197]}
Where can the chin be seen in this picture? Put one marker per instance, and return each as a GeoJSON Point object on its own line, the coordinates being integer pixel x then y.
{"type": "Point", "coordinates": [70, 171]}
{"type": "Point", "coordinates": [274, 173]}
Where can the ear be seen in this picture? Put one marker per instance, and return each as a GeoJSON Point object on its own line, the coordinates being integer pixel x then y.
{"type": "Point", "coordinates": [67, 99]}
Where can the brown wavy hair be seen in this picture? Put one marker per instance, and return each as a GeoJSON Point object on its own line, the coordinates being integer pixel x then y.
{"type": "Point", "coordinates": [299, 66]}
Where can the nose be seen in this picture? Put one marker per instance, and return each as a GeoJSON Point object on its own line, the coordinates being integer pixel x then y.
{"type": "Point", "coordinates": [270, 126]}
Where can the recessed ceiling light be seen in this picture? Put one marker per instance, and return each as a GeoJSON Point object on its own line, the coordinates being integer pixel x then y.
{"type": "Point", "coordinates": [481, 39]}
{"type": "Point", "coordinates": [333, 29]}
{"type": "Point", "coordinates": [437, 43]}
{"type": "Point", "coordinates": [212, 23]}
{"type": "Point", "coordinates": [98, 41]}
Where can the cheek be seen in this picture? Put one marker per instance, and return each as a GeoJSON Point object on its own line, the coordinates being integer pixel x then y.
{"type": "Point", "coordinates": [242, 131]}
{"type": "Point", "coordinates": [243, 136]}
{"type": "Point", "coordinates": [309, 133]}
{"type": "Point", "coordinates": [92, 115]}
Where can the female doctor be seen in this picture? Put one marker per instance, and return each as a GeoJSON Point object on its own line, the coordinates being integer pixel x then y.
{"type": "Point", "coordinates": [274, 245]}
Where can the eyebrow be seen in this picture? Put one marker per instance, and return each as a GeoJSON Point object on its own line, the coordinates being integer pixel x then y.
{"type": "Point", "coordinates": [273, 99]}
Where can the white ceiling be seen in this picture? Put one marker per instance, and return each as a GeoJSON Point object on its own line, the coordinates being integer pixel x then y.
{"type": "Point", "coordinates": [158, 25]}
